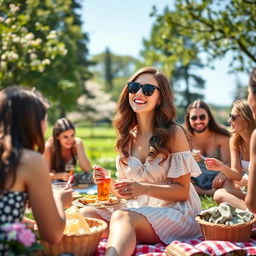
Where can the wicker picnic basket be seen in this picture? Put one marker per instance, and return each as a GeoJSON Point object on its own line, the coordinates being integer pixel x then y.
{"type": "Point", "coordinates": [79, 245]}
{"type": "Point", "coordinates": [221, 232]}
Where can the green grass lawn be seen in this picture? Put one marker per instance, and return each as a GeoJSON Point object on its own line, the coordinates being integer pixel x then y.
{"type": "Point", "coordinates": [99, 143]}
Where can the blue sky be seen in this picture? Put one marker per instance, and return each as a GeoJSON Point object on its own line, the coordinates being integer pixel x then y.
{"type": "Point", "coordinates": [121, 26]}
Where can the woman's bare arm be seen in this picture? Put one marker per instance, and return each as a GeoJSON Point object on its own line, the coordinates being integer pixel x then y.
{"type": "Point", "coordinates": [81, 155]}
{"type": "Point", "coordinates": [250, 198]}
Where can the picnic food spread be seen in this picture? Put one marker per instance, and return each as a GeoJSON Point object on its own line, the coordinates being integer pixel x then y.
{"type": "Point", "coordinates": [75, 222]}
{"type": "Point", "coordinates": [92, 200]}
{"type": "Point", "coordinates": [76, 195]}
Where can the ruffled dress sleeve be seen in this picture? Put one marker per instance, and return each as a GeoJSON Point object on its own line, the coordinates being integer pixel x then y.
{"type": "Point", "coordinates": [182, 163]}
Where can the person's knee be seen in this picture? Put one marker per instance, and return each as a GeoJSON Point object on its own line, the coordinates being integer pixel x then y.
{"type": "Point", "coordinates": [219, 195]}
{"type": "Point", "coordinates": [120, 216]}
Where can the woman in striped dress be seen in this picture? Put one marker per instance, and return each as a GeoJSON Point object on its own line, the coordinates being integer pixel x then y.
{"type": "Point", "coordinates": [154, 166]}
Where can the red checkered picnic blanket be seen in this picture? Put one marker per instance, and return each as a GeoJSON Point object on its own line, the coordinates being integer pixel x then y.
{"type": "Point", "coordinates": [190, 248]}
{"type": "Point", "coordinates": [141, 249]}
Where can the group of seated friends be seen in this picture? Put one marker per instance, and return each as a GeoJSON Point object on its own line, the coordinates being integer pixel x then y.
{"type": "Point", "coordinates": [161, 167]}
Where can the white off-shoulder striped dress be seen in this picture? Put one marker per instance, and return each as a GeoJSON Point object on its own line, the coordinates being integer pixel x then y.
{"type": "Point", "coordinates": [171, 221]}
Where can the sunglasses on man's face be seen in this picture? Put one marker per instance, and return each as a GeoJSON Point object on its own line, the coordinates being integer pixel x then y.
{"type": "Point", "coordinates": [147, 89]}
{"type": "Point", "coordinates": [201, 117]}
{"type": "Point", "coordinates": [233, 117]}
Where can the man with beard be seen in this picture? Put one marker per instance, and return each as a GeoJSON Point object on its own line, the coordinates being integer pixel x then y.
{"type": "Point", "coordinates": [208, 139]}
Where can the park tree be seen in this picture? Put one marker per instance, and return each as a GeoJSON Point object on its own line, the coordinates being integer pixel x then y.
{"type": "Point", "coordinates": [26, 45]}
{"type": "Point", "coordinates": [108, 70]}
{"type": "Point", "coordinates": [42, 45]}
{"type": "Point", "coordinates": [240, 91]}
{"type": "Point", "coordinates": [94, 107]}
{"type": "Point", "coordinates": [177, 56]}
{"type": "Point", "coordinates": [217, 28]}
{"type": "Point", "coordinates": [119, 67]}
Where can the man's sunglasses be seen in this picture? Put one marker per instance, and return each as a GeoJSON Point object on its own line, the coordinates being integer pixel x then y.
{"type": "Point", "coordinates": [201, 117]}
{"type": "Point", "coordinates": [233, 117]}
{"type": "Point", "coordinates": [147, 89]}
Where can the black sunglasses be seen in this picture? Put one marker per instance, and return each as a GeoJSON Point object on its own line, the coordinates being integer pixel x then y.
{"type": "Point", "coordinates": [233, 117]}
{"type": "Point", "coordinates": [201, 117]}
{"type": "Point", "coordinates": [147, 89]}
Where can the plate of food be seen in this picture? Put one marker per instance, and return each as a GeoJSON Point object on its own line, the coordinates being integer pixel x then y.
{"type": "Point", "coordinates": [76, 195]}
{"type": "Point", "coordinates": [92, 200]}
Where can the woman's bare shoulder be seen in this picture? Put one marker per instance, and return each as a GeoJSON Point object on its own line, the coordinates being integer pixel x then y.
{"type": "Point", "coordinates": [32, 168]}
{"type": "Point", "coordinates": [179, 141]}
{"type": "Point", "coordinates": [32, 159]}
{"type": "Point", "coordinates": [253, 145]}
{"type": "Point", "coordinates": [253, 136]}
{"type": "Point", "coordinates": [49, 144]}
{"type": "Point", "coordinates": [77, 139]}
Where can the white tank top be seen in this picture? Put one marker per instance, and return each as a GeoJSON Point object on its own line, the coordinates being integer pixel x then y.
{"type": "Point", "coordinates": [245, 166]}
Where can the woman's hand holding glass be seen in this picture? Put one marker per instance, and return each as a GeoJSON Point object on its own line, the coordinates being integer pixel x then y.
{"type": "Point", "coordinates": [128, 188]}
{"type": "Point", "coordinates": [98, 174]}
{"type": "Point", "coordinates": [102, 178]}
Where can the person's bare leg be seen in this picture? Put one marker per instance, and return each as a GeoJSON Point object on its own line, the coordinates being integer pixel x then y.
{"type": "Point", "coordinates": [91, 213]}
{"type": "Point", "coordinates": [200, 191]}
{"type": "Point", "coordinates": [125, 228]}
{"type": "Point", "coordinates": [230, 195]}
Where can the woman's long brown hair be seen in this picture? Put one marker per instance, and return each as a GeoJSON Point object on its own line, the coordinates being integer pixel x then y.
{"type": "Point", "coordinates": [244, 110]}
{"type": "Point", "coordinates": [164, 119]}
{"type": "Point", "coordinates": [60, 126]}
{"type": "Point", "coordinates": [21, 114]}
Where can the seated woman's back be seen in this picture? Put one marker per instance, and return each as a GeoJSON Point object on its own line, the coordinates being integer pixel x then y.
{"type": "Point", "coordinates": [24, 173]}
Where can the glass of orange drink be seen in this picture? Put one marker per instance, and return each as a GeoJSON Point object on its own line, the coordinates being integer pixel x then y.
{"type": "Point", "coordinates": [70, 168]}
{"type": "Point", "coordinates": [104, 187]}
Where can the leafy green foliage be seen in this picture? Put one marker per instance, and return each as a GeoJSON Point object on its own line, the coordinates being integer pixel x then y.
{"type": "Point", "coordinates": [215, 28]}
{"type": "Point", "coordinates": [115, 68]}
{"type": "Point", "coordinates": [42, 45]}
{"type": "Point", "coordinates": [177, 56]}
{"type": "Point", "coordinates": [27, 44]}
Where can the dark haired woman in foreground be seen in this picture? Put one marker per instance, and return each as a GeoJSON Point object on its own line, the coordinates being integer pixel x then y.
{"type": "Point", "coordinates": [23, 171]}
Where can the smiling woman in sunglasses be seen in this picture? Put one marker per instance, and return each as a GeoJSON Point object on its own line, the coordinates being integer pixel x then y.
{"type": "Point", "coordinates": [242, 125]}
{"type": "Point", "coordinates": [209, 139]}
{"type": "Point", "coordinates": [154, 159]}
